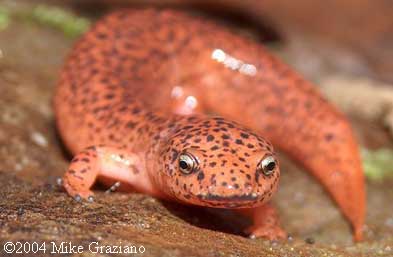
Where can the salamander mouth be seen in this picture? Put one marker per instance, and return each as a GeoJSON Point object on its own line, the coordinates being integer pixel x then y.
{"type": "Point", "coordinates": [230, 201]}
{"type": "Point", "coordinates": [230, 198]}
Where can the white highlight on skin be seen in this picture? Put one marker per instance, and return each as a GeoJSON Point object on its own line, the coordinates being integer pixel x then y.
{"type": "Point", "coordinates": [191, 102]}
{"type": "Point", "coordinates": [177, 92]}
{"type": "Point", "coordinates": [117, 158]}
{"type": "Point", "coordinates": [233, 63]}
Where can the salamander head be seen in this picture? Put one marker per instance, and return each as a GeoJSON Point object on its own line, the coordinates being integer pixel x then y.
{"type": "Point", "coordinates": [217, 163]}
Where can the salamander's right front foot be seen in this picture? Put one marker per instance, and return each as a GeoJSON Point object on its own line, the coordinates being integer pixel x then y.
{"type": "Point", "coordinates": [81, 175]}
{"type": "Point", "coordinates": [108, 162]}
{"type": "Point", "coordinates": [87, 195]}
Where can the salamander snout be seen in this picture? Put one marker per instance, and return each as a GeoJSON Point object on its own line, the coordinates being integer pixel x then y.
{"type": "Point", "coordinates": [239, 186]}
{"type": "Point", "coordinates": [222, 165]}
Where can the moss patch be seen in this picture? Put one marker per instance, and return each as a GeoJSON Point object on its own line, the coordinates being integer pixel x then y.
{"type": "Point", "coordinates": [378, 164]}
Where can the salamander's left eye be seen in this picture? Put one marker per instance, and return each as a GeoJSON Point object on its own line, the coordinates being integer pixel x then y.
{"type": "Point", "coordinates": [188, 163]}
{"type": "Point", "coordinates": [267, 165]}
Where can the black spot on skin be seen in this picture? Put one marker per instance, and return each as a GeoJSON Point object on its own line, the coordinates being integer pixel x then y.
{"type": "Point", "coordinates": [225, 136]}
{"type": "Point", "coordinates": [212, 164]}
{"type": "Point", "coordinates": [101, 35]}
{"type": "Point", "coordinates": [212, 179]}
{"type": "Point", "coordinates": [191, 119]}
{"type": "Point", "coordinates": [136, 110]}
{"type": "Point", "coordinates": [210, 138]}
{"type": "Point", "coordinates": [308, 105]}
{"type": "Point", "coordinates": [329, 137]}
{"type": "Point", "coordinates": [109, 96]}
{"type": "Point", "coordinates": [131, 124]}
{"type": "Point", "coordinates": [201, 176]}
{"type": "Point", "coordinates": [223, 162]}
{"type": "Point", "coordinates": [244, 135]}
{"type": "Point", "coordinates": [216, 147]}
{"type": "Point", "coordinates": [250, 146]}
{"type": "Point", "coordinates": [174, 155]}
{"type": "Point", "coordinates": [122, 109]}
{"type": "Point", "coordinates": [91, 148]}
{"type": "Point", "coordinates": [239, 141]}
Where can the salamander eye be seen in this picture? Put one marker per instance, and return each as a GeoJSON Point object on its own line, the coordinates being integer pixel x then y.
{"type": "Point", "coordinates": [267, 165]}
{"type": "Point", "coordinates": [188, 163]}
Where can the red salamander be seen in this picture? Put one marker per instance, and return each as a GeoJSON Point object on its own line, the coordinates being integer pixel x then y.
{"type": "Point", "coordinates": [130, 104]}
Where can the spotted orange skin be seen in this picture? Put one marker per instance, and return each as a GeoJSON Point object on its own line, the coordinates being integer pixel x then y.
{"type": "Point", "coordinates": [116, 93]}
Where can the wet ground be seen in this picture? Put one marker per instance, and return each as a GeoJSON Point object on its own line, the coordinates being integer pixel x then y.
{"type": "Point", "coordinates": [33, 208]}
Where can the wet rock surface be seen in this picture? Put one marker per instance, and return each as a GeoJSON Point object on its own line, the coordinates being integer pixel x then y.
{"type": "Point", "coordinates": [34, 208]}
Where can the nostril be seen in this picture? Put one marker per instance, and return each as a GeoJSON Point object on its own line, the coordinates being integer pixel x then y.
{"type": "Point", "coordinates": [248, 186]}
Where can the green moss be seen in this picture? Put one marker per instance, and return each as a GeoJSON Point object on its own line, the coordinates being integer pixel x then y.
{"type": "Point", "coordinates": [378, 164]}
{"type": "Point", "coordinates": [4, 18]}
{"type": "Point", "coordinates": [70, 24]}
{"type": "Point", "coordinates": [60, 19]}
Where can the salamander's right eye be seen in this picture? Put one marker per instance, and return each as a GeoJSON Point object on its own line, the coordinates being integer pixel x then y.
{"type": "Point", "coordinates": [188, 163]}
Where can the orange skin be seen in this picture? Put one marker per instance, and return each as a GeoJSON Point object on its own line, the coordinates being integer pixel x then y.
{"type": "Point", "coordinates": [130, 106]}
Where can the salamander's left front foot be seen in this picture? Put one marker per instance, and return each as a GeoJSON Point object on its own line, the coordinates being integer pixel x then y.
{"type": "Point", "coordinates": [265, 223]}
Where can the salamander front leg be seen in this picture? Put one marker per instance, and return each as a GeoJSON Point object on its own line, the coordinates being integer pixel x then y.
{"type": "Point", "coordinates": [265, 222]}
{"type": "Point", "coordinates": [97, 161]}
